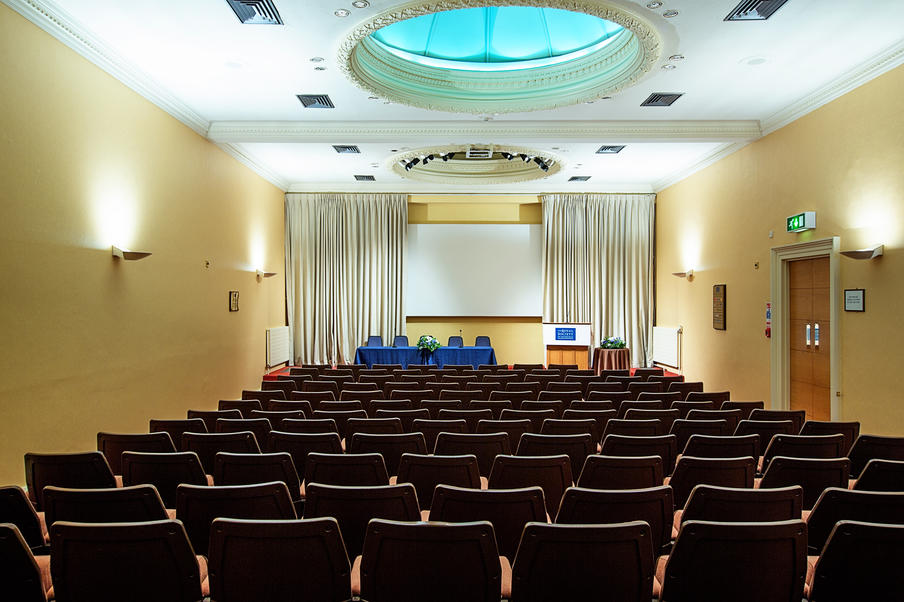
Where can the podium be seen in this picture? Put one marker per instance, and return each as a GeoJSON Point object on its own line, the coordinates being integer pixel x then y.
{"type": "Point", "coordinates": [567, 343]}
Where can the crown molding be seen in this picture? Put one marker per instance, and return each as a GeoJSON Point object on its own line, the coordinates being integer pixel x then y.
{"type": "Point", "coordinates": [467, 131]}
{"type": "Point", "coordinates": [412, 187]}
{"type": "Point", "coordinates": [849, 80]}
{"type": "Point", "coordinates": [56, 22]}
{"type": "Point", "coordinates": [261, 170]}
{"type": "Point", "coordinates": [715, 156]}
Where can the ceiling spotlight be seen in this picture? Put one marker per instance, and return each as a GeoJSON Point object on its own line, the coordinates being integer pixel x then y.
{"type": "Point", "coordinates": [524, 157]}
{"type": "Point", "coordinates": [538, 160]}
{"type": "Point", "coordinates": [342, 12]}
{"type": "Point", "coordinates": [507, 156]}
{"type": "Point", "coordinates": [360, 3]}
{"type": "Point", "coordinates": [448, 156]}
{"type": "Point", "coordinates": [654, 5]}
{"type": "Point", "coordinates": [669, 67]}
{"type": "Point", "coordinates": [670, 13]}
{"type": "Point", "coordinates": [319, 68]}
{"type": "Point", "coordinates": [676, 57]}
{"type": "Point", "coordinates": [316, 59]}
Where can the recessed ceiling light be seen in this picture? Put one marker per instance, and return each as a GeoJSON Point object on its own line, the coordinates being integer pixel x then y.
{"type": "Point", "coordinates": [653, 5]}
{"type": "Point", "coordinates": [753, 61]}
{"type": "Point", "coordinates": [670, 13]}
{"type": "Point", "coordinates": [319, 68]}
{"type": "Point", "coordinates": [373, 98]}
{"type": "Point", "coordinates": [360, 3]}
{"type": "Point", "coordinates": [316, 59]}
{"type": "Point", "coordinates": [676, 57]}
{"type": "Point", "coordinates": [669, 66]}
{"type": "Point", "coordinates": [342, 12]}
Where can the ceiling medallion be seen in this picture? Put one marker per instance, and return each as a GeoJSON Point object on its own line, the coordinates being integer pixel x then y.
{"type": "Point", "coordinates": [614, 64]}
{"type": "Point", "coordinates": [450, 164]}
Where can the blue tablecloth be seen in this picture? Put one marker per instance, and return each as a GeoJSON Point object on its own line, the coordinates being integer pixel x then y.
{"type": "Point", "coordinates": [411, 355]}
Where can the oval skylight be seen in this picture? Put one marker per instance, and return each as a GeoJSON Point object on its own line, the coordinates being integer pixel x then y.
{"type": "Point", "coordinates": [497, 38]}
{"type": "Point", "coordinates": [487, 56]}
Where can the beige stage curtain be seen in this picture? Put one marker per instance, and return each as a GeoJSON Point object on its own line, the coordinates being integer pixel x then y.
{"type": "Point", "coordinates": [345, 262]}
{"type": "Point", "coordinates": [598, 265]}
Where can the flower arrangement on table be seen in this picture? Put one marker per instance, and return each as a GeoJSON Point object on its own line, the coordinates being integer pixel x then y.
{"type": "Point", "coordinates": [613, 343]}
{"type": "Point", "coordinates": [428, 343]}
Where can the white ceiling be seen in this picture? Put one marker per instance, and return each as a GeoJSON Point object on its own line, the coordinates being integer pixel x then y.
{"type": "Point", "coordinates": [237, 83]}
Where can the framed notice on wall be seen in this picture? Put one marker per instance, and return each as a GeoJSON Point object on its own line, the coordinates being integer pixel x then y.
{"type": "Point", "coordinates": [719, 306]}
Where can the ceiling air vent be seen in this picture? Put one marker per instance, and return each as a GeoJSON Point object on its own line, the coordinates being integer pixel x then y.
{"type": "Point", "coordinates": [609, 150]}
{"type": "Point", "coordinates": [479, 153]}
{"type": "Point", "coordinates": [255, 12]}
{"type": "Point", "coordinates": [316, 101]}
{"type": "Point", "coordinates": [365, 178]}
{"type": "Point", "coordinates": [661, 99]}
{"type": "Point", "coordinates": [578, 178]}
{"type": "Point", "coordinates": [346, 149]}
{"type": "Point", "coordinates": [754, 10]}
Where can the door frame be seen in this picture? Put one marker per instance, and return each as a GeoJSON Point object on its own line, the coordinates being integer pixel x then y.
{"type": "Point", "coordinates": [780, 372]}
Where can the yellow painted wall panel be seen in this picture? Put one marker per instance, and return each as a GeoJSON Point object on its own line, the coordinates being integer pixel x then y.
{"type": "Point", "coordinates": [96, 344]}
{"type": "Point", "coordinates": [843, 161]}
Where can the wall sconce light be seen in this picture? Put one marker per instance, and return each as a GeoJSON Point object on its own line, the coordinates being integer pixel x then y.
{"type": "Point", "coordinates": [129, 255]}
{"type": "Point", "coordinates": [261, 275]}
{"type": "Point", "coordinates": [688, 274]}
{"type": "Point", "coordinates": [870, 253]}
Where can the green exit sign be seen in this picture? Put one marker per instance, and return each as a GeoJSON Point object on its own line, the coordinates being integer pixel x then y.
{"type": "Point", "coordinates": [802, 221]}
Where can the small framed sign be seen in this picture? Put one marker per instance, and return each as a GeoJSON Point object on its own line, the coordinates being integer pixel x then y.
{"type": "Point", "coordinates": [233, 300]}
{"type": "Point", "coordinates": [854, 299]}
{"type": "Point", "coordinates": [719, 306]}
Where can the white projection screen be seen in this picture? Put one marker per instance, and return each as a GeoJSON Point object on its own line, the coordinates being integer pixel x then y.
{"type": "Point", "coordinates": [474, 270]}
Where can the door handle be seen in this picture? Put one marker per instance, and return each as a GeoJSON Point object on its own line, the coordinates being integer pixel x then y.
{"type": "Point", "coordinates": [808, 336]}
{"type": "Point", "coordinates": [816, 335]}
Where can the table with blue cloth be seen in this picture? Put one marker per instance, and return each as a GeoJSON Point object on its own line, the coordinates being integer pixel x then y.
{"type": "Point", "coordinates": [407, 356]}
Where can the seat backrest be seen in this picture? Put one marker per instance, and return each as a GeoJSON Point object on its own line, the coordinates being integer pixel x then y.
{"type": "Point", "coordinates": [849, 430]}
{"type": "Point", "coordinates": [251, 400]}
{"type": "Point", "coordinates": [855, 554]}
{"type": "Point", "coordinates": [556, 406]}
{"type": "Point", "coordinates": [277, 416]}
{"type": "Point", "coordinates": [667, 399]}
{"type": "Point", "coordinates": [804, 446]}
{"type": "Point", "coordinates": [280, 560]}
{"type": "Point", "coordinates": [19, 573]}
{"type": "Point", "coordinates": [391, 446]}
{"type": "Point", "coordinates": [425, 472]}
{"type": "Point", "coordinates": [207, 445]}
{"type": "Point", "coordinates": [375, 426]}
{"type": "Point", "coordinates": [247, 469]}
{"type": "Point", "coordinates": [573, 426]}
{"type": "Point", "coordinates": [15, 509]}
{"type": "Point", "coordinates": [664, 446]}
{"type": "Point", "coordinates": [495, 406]}
{"type": "Point", "coordinates": [575, 446]}
{"type": "Point", "coordinates": [513, 428]}
{"type": "Point", "coordinates": [685, 387]}
{"type": "Point", "coordinates": [621, 472]}
{"type": "Point", "coordinates": [406, 416]}
{"type": "Point", "coordinates": [310, 425]}
{"type": "Point", "coordinates": [507, 509]}
{"type": "Point", "coordinates": [470, 416]}
{"type": "Point", "coordinates": [344, 405]}
{"type": "Point", "coordinates": [94, 561]}
{"type": "Point", "coordinates": [667, 417]}
{"type": "Point", "coordinates": [411, 561]}
{"type": "Point", "coordinates": [354, 507]}
{"type": "Point", "coordinates": [85, 470]}
{"type": "Point", "coordinates": [137, 503]}
{"type": "Point", "coordinates": [313, 397]}
{"type": "Point", "coordinates": [691, 471]}
{"type": "Point", "coordinates": [175, 428]}
{"type": "Point", "coordinates": [455, 341]}
{"type": "Point", "coordinates": [485, 446]}
{"type": "Point", "coordinates": [732, 416]}
{"type": "Point", "coordinates": [766, 429]}
{"type": "Point", "coordinates": [341, 417]}
{"type": "Point", "coordinates": [536, 417]}
{"type": "Point", "coordinates": [654, 506]}
{"type": "Point", "coordinates": [837, 503]}
{"type": "Point", "coordinates": [869, 447]}
{"type": "Point", "coordinates": [746, 407]}
{"type": "Point", "coordinates": [197, 507]}
{"type": "Point", "coordinates": [742, 504]}
{"type": "Point", "coordinates": [164, 471]}
{"type": "Point", "coordinates": [482, 341]}
{"type": "Point", "coordinates": [815, 475]}
{"type": "Point", "coordinates": [584, 562]}
{"type": "Point", "coordinates": [881, 475]}
{"type": "Point", "coordinates": [633, 404]}
{"type": "Point", "coordinates": [716, 397]}
{"type": "Point", "coordinates": [797, 417]}
{"type": "Point", "coordinates": [261, 427]}
{"type": "Point", "coordinates": [374, 340]}
{"type": "Point", "coordinates": [635, 428]}
{"type": "Point", "coordinates": [551, 473]}
{"type": "Point", "coordinates": [731, 446]}
{"type": "Point", "coordinates": [685, 429]}
{"type": "Point", "coordinates": [400, 340]}
{"type": "Point", "coordinates": [210, 421]}
{"type": "Point", "coordinates": [346, 469]}
{"type": "Point", "coordinates": [432, 428]}
{"type": "Point", "coordinates": [299, 445]}
{"type": "Point", "coordinates": [748, 561]}
{"type": "Point", "coordinates": [684, 407]}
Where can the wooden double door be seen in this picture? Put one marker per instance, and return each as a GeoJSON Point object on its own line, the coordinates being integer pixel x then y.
{"type": "Point", "coordinates": [810, 301]}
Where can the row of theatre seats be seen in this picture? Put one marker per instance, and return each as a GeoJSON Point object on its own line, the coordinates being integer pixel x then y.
{"type": "Point", "coordinates": [587, 507]}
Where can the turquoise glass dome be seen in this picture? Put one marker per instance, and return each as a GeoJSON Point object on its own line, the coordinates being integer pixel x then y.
{"type": "Point", "coordinates": [496, 38]}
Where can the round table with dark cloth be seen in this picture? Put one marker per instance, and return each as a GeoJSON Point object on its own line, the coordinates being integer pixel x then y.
{"type": "Point", "coordinates": [611, 359]}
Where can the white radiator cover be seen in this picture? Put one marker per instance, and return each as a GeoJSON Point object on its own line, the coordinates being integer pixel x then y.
{"type": "Point", "coordinates": [667, 346]}
{"type": "Point", "coordinates": [278, 347]}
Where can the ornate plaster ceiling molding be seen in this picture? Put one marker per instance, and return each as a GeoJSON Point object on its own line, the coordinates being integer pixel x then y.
{"type": "Point", "coordinates": [630, 56]}
{"type": "Point", "coordinates": [461, 171]}
{"type": "Point", "coordinates": [393, 131]}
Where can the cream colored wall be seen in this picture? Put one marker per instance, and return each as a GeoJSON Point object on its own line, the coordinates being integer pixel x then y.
{"type": "Point", "coordinates": [844, 161]}
{"type": "Point", "coordinates": [515, 339]}
{"type": "Point", "coordinates": [95, 344]}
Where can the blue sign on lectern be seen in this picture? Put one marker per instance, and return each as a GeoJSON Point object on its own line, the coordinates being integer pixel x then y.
{"type": "Point", "coordinates": [566, 334]}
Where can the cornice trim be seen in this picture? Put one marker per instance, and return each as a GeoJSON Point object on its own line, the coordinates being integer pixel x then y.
{"type": "Point", "coordinates": [271, 176]}
{"type": "Point", "coordinates": [714, 157]}
{"type": "Point", "coordinates": [868, 70]}
{"type": "Point", "coordinates": [393, 131]}
{"type": "Point", "coordinates": [432, 188]}
{"type": "Point", "coordinates": [56, 22]}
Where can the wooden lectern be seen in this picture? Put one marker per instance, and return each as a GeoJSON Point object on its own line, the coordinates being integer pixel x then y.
{"type": "Point", "coordinates": [567, 344]}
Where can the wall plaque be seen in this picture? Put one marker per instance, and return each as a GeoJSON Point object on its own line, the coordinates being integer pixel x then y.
{"type": "Point", "coordinates": [719, 306]}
